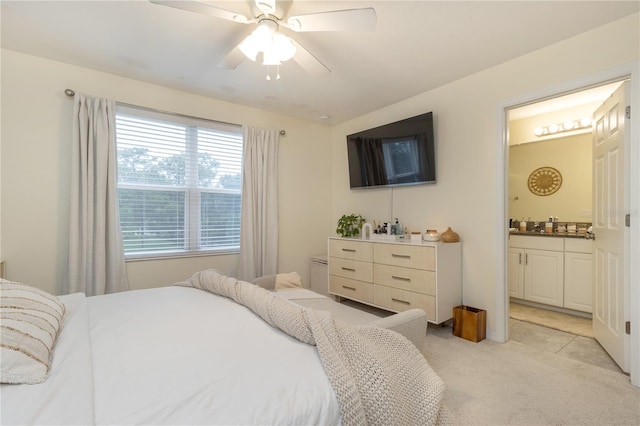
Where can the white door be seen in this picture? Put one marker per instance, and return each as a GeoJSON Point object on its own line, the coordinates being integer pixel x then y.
{"type": "Point", "coordinates": [611, 288]}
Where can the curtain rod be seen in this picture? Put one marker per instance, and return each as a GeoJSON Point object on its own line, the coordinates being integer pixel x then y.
{"type": "Point", "coordinates": [71, 93]}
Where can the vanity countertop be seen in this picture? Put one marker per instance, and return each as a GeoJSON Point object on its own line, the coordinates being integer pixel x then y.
{"type": "Point", "coordinates": [552, 235]}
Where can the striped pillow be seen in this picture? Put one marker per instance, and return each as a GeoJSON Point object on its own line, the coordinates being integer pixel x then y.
{"type": "Point", "coordinates": [30, 320]}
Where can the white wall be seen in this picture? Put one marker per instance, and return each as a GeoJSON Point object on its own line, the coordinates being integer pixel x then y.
{"type": "Point", "coordinates": [36, 123]}
{"type": "Point", "coordinates": [468, 146]}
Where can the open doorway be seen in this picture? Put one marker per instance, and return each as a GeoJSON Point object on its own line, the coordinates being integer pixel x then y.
{"type": "Point", "coordinates": [550, 197]}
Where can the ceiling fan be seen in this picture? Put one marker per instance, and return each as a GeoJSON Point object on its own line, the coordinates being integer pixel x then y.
{"type": "Point", "coordinates": [269, 17]}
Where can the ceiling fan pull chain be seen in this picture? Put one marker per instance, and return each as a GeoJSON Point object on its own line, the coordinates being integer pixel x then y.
{"type": "Point", "coordinates": [268, 73]}
{"type": "Point", "coordinates": [278, 73]}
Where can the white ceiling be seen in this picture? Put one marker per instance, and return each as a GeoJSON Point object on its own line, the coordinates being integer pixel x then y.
{"type": "Point", "coordinates": [583, 102]}
{"type": "Point", "coordinates": [417, 46]}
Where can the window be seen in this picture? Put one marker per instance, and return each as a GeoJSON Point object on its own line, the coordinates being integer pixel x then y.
{"type": "Point", "coordinates": [179, 183]}
{"type": "Point", "coordinates": [401, 160]}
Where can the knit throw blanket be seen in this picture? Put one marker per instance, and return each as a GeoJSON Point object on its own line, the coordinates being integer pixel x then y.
{"type": "Point", "coordinates": [378, 376]}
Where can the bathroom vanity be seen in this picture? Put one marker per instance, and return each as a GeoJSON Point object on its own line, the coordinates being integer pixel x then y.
{"type": "Point", "coordinates": [552, 270]}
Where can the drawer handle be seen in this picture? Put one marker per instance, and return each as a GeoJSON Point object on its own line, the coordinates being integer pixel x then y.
{"type": "Point", "coordinates": [349, 250]}
{"type": "Point", "coordinates": [401, 301]}
{"type": "Point", "coordinates": [400, 278]}
{"type": "Point", "coordinates": [402, 256]}
{"type": "Point", "coordinates": [349, 288]}
{"type": "Point", "coordinates": [348, 269]}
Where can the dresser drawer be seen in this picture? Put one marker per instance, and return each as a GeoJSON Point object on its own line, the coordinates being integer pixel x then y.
{"type": "Point", "coordinates": [417, 280]}
{"type": "Point", "coordinates": [354, 269]}
{"type": "Point", "coordinates": [351, 249]}
{"type": "Point", "coordinates": [351, 289]}
{"type": "Point", "coordinates": [405, 255]}
{"type": "Point", "coordinates": [401, 300]}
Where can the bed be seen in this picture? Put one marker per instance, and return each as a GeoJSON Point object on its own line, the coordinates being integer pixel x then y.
{"type": "Point", "coordinates": [213, 350]}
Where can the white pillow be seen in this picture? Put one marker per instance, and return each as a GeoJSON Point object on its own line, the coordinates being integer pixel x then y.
{"type": "Point", "coordinates": [288, 280]}
{"type": "Point", "coordinates": [30, 321]}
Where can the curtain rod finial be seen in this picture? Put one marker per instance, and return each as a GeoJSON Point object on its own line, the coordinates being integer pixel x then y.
{"type": "Point", "coordinates": [283, 132]}
{"type": "Point", "coordinates": [69, 92]}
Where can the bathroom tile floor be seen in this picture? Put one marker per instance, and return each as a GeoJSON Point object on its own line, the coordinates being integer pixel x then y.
{"type": "Point", "coordinates": [567, 344]}
{"type": "Point", "coordinates": [557, 320]}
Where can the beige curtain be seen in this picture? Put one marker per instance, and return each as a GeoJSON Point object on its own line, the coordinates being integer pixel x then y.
{"type": "Point", "coordinates": [95, 262]}
{"type": "Point", "coordinates": [259, 217]}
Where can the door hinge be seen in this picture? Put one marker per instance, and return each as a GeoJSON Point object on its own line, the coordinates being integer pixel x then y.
{"type": "Point", "coordinates": [627, 220]}
{"type": "Point", "coordinates": [627, 327]}
{"type": "Point", "coordinates": [627, 112]}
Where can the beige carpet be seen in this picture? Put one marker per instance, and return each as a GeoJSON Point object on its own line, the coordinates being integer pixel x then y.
{"type": "Point", "coordinates": [491, 383]}
{"type": "Point", "coordinates": [556, 320]}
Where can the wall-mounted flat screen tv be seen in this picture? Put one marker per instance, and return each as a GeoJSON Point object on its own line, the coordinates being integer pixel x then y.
{"type": "Point", "coordinates": [400, 153]}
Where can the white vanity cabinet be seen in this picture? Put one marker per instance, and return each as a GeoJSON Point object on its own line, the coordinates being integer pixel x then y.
{"type": "Point", "coordinates": [536, 269]}
{"type": "Point", "coordinates": [578, 275]}
{"type": "Point", "coordinates": [515, 278]}
{"type": "Point", "coordinates": [398, 276]}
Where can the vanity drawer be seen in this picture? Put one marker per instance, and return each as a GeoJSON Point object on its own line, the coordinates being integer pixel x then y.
{"type": "Point", "coordinates": [351, 289]}
{"type": "Point", "coordinates": [536, 243]}
{"type": "Point", "coordinates": [351, 249]}
{"type": "Point", "coordinates": [401, 300]}
{"type": "Point", "coordinates": [354, 269]}
{"type": "Point", "coordinates": [417, 280]}
{"type": "Point", "coordinates": [405, 255]}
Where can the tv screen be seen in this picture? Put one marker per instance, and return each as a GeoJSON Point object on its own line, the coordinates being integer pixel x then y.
{"type": "Point", "coordinates": [400, 153]}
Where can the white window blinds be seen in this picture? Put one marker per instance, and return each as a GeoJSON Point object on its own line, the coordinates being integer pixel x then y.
{"type": "Point", "coordinates": [179, 183]}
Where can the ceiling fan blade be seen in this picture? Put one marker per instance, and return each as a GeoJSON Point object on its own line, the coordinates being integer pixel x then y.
{"type": "Point", "coordinates": [206, 9]}
{"type": "Point", "coordinates": [232, 60]}
{"type": "Point", "coordinates": [308, 62]}
{"type": "Point", "coordinates": [337, 20]}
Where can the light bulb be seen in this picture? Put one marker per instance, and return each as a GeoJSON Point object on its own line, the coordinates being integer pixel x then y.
{"type": "Point", "coordinates": [568, 125]}
{"type": "Point", "coordinates": [263, 36]}
{"type": "Point", "coordinates": [249, 47]}
{"type": "Point", "coordinates": [284, 47]}
{"type": "Point", "coordinates": [270, 56]}
{"type": "Point", "coordinates": [538, 131]}
{"type": "Point", "coordinates": [553, 128]}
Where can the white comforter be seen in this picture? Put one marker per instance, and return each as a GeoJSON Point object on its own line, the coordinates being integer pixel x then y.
{"type": "Point", "coordinates": [173, 355]}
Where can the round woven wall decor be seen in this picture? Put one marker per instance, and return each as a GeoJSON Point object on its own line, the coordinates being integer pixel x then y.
{"type": "Point", "coordinates": [544, 181]}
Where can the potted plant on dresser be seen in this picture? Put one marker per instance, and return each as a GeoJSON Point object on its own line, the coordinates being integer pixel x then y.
{"type": "Point", "coordinates": [349, 225]}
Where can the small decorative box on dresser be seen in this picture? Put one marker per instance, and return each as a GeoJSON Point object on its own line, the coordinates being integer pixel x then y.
{"type": "Point", "coordinates": [398, 276]}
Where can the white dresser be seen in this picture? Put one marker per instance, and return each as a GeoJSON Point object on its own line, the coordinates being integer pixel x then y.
{"type": "Point", "coordinates": [398, 276]}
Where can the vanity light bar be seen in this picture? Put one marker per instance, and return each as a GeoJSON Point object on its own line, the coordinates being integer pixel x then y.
{"type": "Point", "coordinates": [567, 126]}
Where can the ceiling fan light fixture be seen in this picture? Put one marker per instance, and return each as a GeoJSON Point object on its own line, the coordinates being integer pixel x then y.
{"type": "Point", "coordinates": [270, 57]}
{"type": "Point", "coordinates": [283, 46]}
{"type": "Point", "coordinates": [275, 46]}
{"type": "Point", "coordinates": [259, 40]}
{"type": "Point", "coordinates": [249, 47]}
